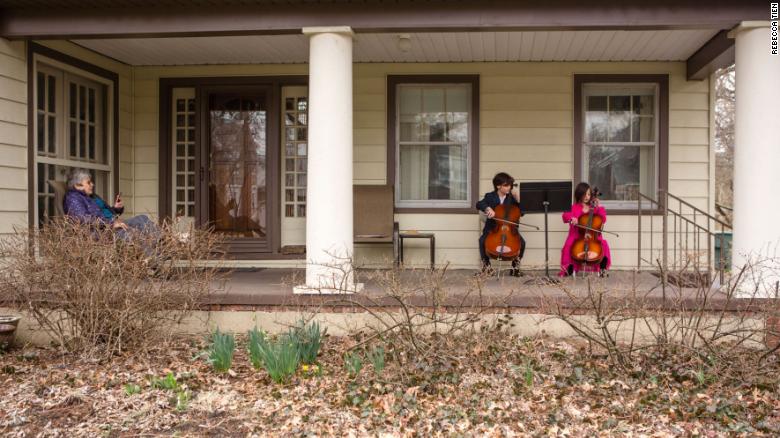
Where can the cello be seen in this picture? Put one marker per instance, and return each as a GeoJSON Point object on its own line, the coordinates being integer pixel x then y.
{"type": "Point", "coordinates": [587, 249]}
{"type": "Point", "coordinates": [503, 242]}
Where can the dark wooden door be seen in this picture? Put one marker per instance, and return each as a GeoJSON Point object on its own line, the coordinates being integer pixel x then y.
{"type": "Point", "coordinates": [236, 190]}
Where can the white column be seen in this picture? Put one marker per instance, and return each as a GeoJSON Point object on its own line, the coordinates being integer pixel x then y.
{"type": "Point", "coordinates": [756, 157]}
{"type": "Point", "coordinates": [329, 238]}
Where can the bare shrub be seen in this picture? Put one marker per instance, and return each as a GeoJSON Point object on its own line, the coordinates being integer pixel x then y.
{"type": "Point", "coordinates": [428, 321]}
{"type": "Point", "coordinates": [722, 327]}
{"type": "Point", "coordinates": [100, 295]}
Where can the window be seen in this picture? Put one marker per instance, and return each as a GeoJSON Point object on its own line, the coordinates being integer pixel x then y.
{"type": "Point", "coordinates": [295, 151]}
{"type": "Point", "coordinates": [183, 133]}
{"type": "Point", "coordinates": [621, 147]}
{"type": "Point", "coordinates": [433, 141]}
{"type": "Point", "coordinates": [70, 129]}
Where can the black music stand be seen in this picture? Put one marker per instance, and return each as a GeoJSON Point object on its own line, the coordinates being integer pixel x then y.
{"type": "Point", "coordinates": [538, 197]}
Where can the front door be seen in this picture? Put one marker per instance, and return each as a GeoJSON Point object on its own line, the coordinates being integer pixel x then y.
{"type": "Point", "coordinates": [236, 183]}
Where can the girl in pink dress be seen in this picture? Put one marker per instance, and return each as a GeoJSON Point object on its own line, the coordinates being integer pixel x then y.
{"type": "Point", "coordinates": [582, 195]}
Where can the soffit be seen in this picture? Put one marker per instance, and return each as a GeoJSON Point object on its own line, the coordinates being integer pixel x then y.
{"type": "Point", "coordinates": [575, 45]}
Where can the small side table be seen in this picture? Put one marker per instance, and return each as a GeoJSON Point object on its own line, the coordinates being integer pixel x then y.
{"type": "Point", "coordinates": [431, 241]}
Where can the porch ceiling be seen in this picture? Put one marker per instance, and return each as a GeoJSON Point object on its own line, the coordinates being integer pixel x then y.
{"type": "Point", "coordinates": [573, 45]}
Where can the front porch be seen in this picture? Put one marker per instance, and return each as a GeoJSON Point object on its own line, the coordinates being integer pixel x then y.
{"type": "Point", "coordinates": [262, 289]}
{"type": "Point", "coordinates": [262, 130]}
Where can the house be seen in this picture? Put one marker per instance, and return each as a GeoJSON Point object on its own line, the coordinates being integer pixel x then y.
{"type": "Point", "coordinates": [259, 116]}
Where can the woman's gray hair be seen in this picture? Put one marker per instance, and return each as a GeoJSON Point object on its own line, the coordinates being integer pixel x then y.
{"type": "Point", "coordinates": [77, 176]}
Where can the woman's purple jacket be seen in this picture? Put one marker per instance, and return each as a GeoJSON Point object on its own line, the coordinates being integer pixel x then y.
{"type": "Point", "coordinates": [79, 206]}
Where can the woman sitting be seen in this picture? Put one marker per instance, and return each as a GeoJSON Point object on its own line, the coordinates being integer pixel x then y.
{"type": "Point", "coordinates": [83, 205]}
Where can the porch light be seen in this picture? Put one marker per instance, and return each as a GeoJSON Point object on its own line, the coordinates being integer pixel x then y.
{"type": "Point", "coordinates": [404, 42]}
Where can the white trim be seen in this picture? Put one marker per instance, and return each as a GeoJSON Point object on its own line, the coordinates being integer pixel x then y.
{"type": "Point", "coordinates": [597, 89]}
{"type": "Point", "coordinates": [433, 203]}
{"type": "Point", "coordinates": [73, 163]}
{"type": "Point", "coordinates": [746, 25]}
{"type": "Point", "coordinates": [314, 30]}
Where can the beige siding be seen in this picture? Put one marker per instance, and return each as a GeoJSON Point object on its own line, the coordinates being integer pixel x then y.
{"type": "Point", "coordinates": [526, 128]}
{"type": "Point", "coordinates": [13, 135]}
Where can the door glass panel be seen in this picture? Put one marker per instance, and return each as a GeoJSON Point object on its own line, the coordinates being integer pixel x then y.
{"type": "Point", "coordinates": [237, 188]}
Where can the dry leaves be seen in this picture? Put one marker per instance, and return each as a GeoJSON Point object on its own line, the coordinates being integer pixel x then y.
{"type": "Point", "coordinates": [568, 394]}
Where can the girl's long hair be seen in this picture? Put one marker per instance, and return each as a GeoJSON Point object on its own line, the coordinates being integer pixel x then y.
{"type": "Point", "coordinates": [580, 191]}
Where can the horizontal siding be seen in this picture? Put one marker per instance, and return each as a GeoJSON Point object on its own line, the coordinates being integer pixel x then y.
{"type": "Point", "coordinates": [13, 156]}
{"type": "Point", "coordinates": [13, 112]}
{"type": "Point", "coordinates": [13, 135]}
{"type": "Point", "coordinates": [526, 128]}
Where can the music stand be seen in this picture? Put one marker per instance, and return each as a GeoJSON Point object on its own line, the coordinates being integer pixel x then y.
{"type": "Point", "coordinates": [538, 197]}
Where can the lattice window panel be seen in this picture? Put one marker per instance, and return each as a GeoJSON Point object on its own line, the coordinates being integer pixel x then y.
{"type": "Point", "coordinates": [296, 130]}
{"type": "Point", "coordinates": [84, 108]}
{"type": "Point", "coordinates": [46, 112]}
{"type": "Point", "coordinates": [184, 152]}
{"type": "Point", "coordinates": [45, 192]}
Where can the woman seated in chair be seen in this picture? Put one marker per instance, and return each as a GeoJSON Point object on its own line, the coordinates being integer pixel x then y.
{"type": "Point", "coordinates": [82, 204]}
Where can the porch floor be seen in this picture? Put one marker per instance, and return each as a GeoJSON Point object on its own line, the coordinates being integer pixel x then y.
{"type": "Point", "coordinates": [273, 288]}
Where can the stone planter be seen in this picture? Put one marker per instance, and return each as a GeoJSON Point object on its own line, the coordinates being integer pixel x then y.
{"type": "Point", "coordinates": [8, 324]}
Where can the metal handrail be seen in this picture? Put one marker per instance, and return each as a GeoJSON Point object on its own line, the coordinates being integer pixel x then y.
{"type": "Point", "coordinates": [692, 233]}
{"type": "Point", "coordinates": [697, 209]}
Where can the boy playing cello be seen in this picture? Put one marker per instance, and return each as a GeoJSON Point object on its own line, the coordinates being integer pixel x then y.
{"type": "Point", "coordinates": [503, 193]}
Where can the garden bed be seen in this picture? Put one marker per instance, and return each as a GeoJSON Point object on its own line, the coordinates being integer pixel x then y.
{"type": "Point", "coordinates": [498, 385]}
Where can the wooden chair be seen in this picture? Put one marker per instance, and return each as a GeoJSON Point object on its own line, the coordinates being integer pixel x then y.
{"type": "Point", "coordinates": [373, 220]}
{"type": "Point", "coordinates": [60, 188]}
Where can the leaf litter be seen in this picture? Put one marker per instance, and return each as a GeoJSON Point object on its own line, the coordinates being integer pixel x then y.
{"type": "Point", "coordinates": [538, 387]}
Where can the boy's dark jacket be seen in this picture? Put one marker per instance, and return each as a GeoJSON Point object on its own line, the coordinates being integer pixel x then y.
{"type": "Point", "coordinates": [492, 200]}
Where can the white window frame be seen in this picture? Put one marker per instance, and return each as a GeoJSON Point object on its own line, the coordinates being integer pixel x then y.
{"type": "Point", "coordinates": [434, 203]}
{"type": "Point", "coordinates": [656, 144]}
{"type": "Point", "coordinates": [62, 70]}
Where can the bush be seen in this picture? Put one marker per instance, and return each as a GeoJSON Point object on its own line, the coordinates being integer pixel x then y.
{"type": "Point", "coordinates": [97, 295]}
{"type": "Point", "coordinates": [724, 329]}
{"type": "Point", "coordinates": [280, 358]}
